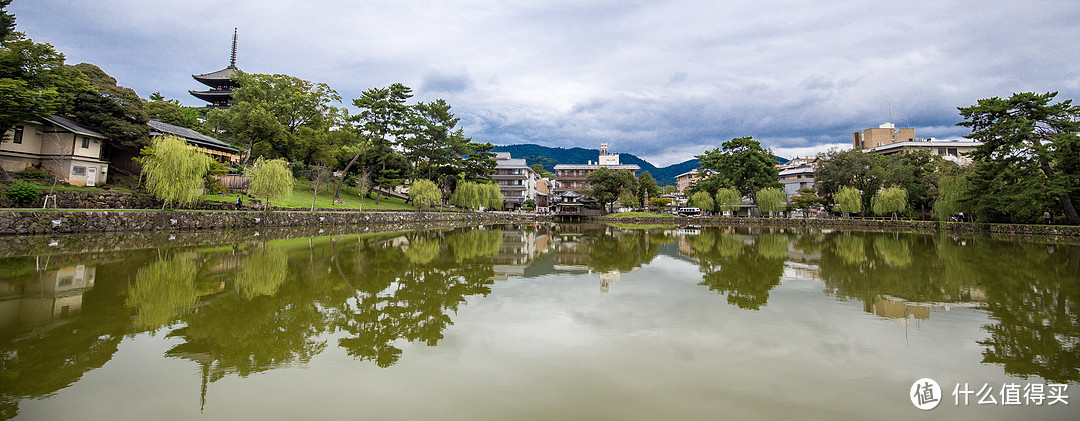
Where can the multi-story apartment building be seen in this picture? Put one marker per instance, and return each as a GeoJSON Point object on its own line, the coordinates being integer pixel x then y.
{"type": "Point", "coordinates": [797, 174]}
{"type": "Point", "coordinates": [517, 182]}
{"type": "Point", "coordinates": [888, 140]}
{"type": "Point", "coordinates": [687, 179]}
{"type": "Point", "coordinates": [573, 176]}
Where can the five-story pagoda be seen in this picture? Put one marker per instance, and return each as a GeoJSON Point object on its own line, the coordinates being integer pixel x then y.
{"type": "Point", "coordinates": [220, 82]}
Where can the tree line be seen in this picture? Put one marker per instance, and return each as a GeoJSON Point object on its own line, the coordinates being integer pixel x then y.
{"type": "Point", "coordinates": [1027, 167]}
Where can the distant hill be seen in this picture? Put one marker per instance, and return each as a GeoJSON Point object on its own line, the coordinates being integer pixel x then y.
{"type": "Point", "coordinates": [549, 157]}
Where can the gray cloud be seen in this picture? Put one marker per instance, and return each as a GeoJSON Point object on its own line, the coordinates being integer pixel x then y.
{"type": "Point", "coordinates": [664, 80]}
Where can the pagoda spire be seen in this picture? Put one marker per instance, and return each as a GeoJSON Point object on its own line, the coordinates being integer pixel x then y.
{"type": "Point", "coordinates": [232, 58]}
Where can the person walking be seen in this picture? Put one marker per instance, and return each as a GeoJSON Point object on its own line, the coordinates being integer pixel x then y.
{"type": "Point", "coordinates": [1049, 217]}
{"type": "Point", "coordinates": [961, 217]}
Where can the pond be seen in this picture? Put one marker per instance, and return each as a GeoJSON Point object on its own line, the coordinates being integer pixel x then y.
{"type": "Point", "coordinates": [544, 322]}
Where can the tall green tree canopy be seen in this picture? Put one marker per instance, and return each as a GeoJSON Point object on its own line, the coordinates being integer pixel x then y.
{"type": "Point", "coordinates": [743, 164]}
{"type": "Point", "coordinates": [849, 200]}
{"type": "Point", "coordinates": [424, 192]}
{"type": "Point", "coordinates": [170, 111]}
{"type": "Point", "coordinates": [118, 112]}
{"type": "Point", "coordinates": [647, 188]}
{"type": "Point", "coordinates": [853, 168]}
{"type": "Point", "coordinates": [727, 199]}
{"type": "Point", "coordinates": [892, 200]}
{"type": "Point", "coordinates": [607, 184]}
{"type": "Point", "coordinates": [703, 201]}
{"type": "Point", "coordinates": [771, 199]}
{"type": "Point", "coordinates": [269, 115]}
{"type": "Point", "coordinates": [1030, 136]}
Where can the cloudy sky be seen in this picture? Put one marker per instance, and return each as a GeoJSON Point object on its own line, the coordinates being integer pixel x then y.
{"type": "Point", "coordinates": [661, 79]}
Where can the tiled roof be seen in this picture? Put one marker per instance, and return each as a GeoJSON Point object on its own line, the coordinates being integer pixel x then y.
{"type": "Point", "coordinates": [73, 126]}
{"type": "Point", "coordinates": [159, 128]}
{"type": "Point", "coordinates": [223, 74]}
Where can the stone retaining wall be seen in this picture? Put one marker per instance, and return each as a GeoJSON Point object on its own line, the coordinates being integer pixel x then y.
{"type": "Point", "coordinates": [926, 227]}
{"type": "Point", "coordinates": [46, 222]}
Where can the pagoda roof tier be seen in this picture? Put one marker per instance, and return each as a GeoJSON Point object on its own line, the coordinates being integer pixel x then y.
{"type": "Point", "coordinates": [219, 78]}
{"type": "Point", "coordinates": [211, 96]}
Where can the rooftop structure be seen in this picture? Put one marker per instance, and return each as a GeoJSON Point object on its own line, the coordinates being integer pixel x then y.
{"type": "Point", "coordinates": [220, 82]}
{"type": "Point", "coordinates": [572, 176]}
{"type": "Point", "coordinates": [221, 151]}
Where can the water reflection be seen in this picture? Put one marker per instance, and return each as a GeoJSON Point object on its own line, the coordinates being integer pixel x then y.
{"type": "Point", "coordinates": [250, 307]}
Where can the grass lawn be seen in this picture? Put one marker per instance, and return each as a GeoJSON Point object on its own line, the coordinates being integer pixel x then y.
{"type": "Point", "coordinates": [301, 198]}
{"type": "Point", "coordinates": [640, 215]}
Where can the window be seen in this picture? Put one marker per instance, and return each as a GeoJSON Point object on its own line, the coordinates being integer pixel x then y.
{"type": "Point", "coordinates": [941, 151]}
{"type": "Point", "coordinates": [18, 135]}
{"type": "Point", "coordinates": [77, 170]}
{"type": "Point", "coordinates": [86, 143]}
{"type": "Point", "coordinates": [952, 152]}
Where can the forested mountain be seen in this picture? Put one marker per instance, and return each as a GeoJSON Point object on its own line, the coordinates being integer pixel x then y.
{"type": "Point", "coordinates": [549, 157]}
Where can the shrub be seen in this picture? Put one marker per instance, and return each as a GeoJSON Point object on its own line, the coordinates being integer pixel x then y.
{"type": "Point", "coordinates": [34, 174]}
{"type": "Point", "coordinates": [23, 193]}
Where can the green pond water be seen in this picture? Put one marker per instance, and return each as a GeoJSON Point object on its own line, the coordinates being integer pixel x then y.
{"type": "Point", "coordinates": [544, 322]}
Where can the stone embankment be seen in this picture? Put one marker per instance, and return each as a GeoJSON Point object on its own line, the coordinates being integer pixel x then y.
{"type": "Point", "coordinates": [926, 227]}
{"type": "Point", "coordinates": [48, 222]}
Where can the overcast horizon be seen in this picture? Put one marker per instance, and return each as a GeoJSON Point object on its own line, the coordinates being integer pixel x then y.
{"type": "Point", "coordinates": [664, 80]}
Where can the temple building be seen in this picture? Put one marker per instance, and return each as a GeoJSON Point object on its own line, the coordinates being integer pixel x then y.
{"type": "Point", "coordinates": [220, 83]}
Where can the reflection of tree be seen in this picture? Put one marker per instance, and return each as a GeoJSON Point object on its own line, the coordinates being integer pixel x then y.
{"type": "Point", "coordinates": [745, 273]}
{"type": "Point", "coordinates": [850, 248]}
{"type": "Point", "coordinates": [1034, 299]}
{"type": "Point", "coordinates": [622, 250]}
{"type": "Point", "coordinates": [413, 302]}
{"type": "Point", "coordinates": [162, 291]}
{"type": "Point", "coordinates": [893, 251]}
{"type": "Point", "coordinates": [263, 271]}
{"type": "Point", "coordinates": [1031, 291]}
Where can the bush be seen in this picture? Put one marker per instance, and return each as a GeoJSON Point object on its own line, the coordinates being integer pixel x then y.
{"type": "Point", "coordinates": [23, 193]}
{"type": "Point", "coordinates": [34, 174]}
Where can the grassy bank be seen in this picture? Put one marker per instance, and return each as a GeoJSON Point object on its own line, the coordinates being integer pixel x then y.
{"type": "Point", "coordinates": [302, 196]}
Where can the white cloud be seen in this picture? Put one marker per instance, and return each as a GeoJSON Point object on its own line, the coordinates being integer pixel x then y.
{"type": "Point", "coordinates": [661, 79]}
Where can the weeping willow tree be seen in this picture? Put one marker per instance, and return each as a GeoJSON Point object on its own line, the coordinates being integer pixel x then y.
{"type": "Point", "coordinates": [424, 192]}
{"type": "Point", "coordinates": [703, 201]}
{"type": "Point", "coordinates": [849, 199]}
{"type": "Point", "coordinates": [263, 273]}
{"type": "Point", "coordinates": [162, 291]}
{"type": "Point", "coordinates": [270, 180]}
{"type": "Point", "coordinates": [951, 189]}
{"type": "Point", "coordinates": [173, 171]}
{"type": "Point", "coordinates": [493, 198]}
{"type": "Point", "coordinates": [467, 195]}
{"type": "Point", "coordinates": [771, 200]}
{"type": "Point", "coordinates": [727, 199]}
{"type": "Point", "coordinates": [889, 201]}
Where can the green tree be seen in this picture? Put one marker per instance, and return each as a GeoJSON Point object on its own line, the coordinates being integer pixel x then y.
{"type": "Point", "coordinates": [493, 198]}
{"type": "Point", "coordinates": [853, 168]}
{"type": "Point", "coordinates": [744, 164]}
{"type": "Point", "coordinates": [117, 112]}
{"type": "Point", "coordinates": [647, 188]}
{"type": "Point", "coordinates": [702, 200]}
{"type": "Point", "coordinates": [279, 116]}
{"type": "Point", "coordinates": [669, 189]}
{"type": "Point", "coordinates": [173, 171]}
{"type": "Point", "coordinates": [807, 200]}
{"type": "Point", "coordinates": [424, 192]}
{"type": "Point", "coordinates": [170, 111]}
{"type": "Point", "coordinates": [727, 199]}
{"type": "Point", "coordinates": [467, 195]}
{"type": "Point", "coordinates": [270, 180]}
{"type": "Point", "coordinates": [890, 201]}
{"type": "Point", "coordinates": [950, 191]}
{"type": "Point", "coordinates": [383, 120]}
{"type": "Point", "coordinates": [607, 184]}
{"type": "Point", "coordinates": [1032, 137]}
{"type": "Point", "coordinates": [628, 199]}
{"type": "Point", "coordinates": [771, 200]}
{"type": "Point", "coordinates": [849, 200]}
